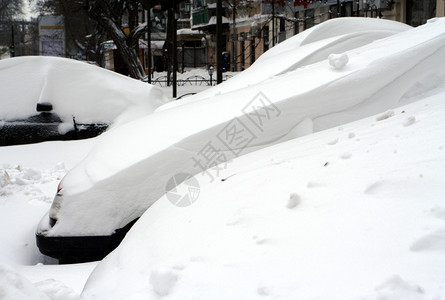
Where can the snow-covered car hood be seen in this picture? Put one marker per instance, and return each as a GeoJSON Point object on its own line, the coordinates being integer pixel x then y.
{"type": "Point", "coordinates": [75, 89]}
{"type": "Point", "coordinates": [129, 169]}
{"type": "Point", "coordinates": [357, 210]}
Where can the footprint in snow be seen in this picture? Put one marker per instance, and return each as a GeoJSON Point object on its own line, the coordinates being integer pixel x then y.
{"type": "Point", "coordinates": [374, 188]}
{"type": "Point", "coordinates": [162, 281]}
{"type": "Point", "coordinates": [346, 155]}
{"type": "Point", "coordinates": [293, 201]}
{"type": "Point", "coordinates": [314, 184]}
{"type": "Point", "coordinates": [438, 212]}
{"type": "Point", "coordinates": [333, 142]}
{"type": "Point", "coordinates": [262, 241]}
{"type": "Point", "coordinates": [263, 291]}
{"type": "Point", "coordinates": [396, 287]}
{"type": "Point", "coordinates": [434, 241]}
{"type": "Point", "coordinates": [237, 218]}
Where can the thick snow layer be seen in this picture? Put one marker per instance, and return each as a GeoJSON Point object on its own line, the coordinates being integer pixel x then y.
{"type": "Point", "coordinates": [14, 286]}
{"type": "Point", "coordinates": [76, 89]}
{"type": "Point", "coordinates": [311, 46]}
{"type": "Point", "coordinates": [121, 184]}
{"type": "Point", "coordinates": [353, 212]}
{"type": "Point", "coordinates": [29, 175]}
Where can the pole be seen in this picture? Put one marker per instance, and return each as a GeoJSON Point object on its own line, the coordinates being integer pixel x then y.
{"type": "Point", "coordinates": [175, 50]}
{"type": "Point", "coordinates": [218, 42]}
{"type": "Point", "coordinates": [234, 36]}
{"type": "Point", "coordinates": [183, 56]}
{"type": "Point", "coordinates": [149, 46]}
{"type": "Point", "coordinates": [338, 9]}
{"type": "Point", "coordinates": [273, 23]}
{"type": "Point", "coordinates": [12, 47]}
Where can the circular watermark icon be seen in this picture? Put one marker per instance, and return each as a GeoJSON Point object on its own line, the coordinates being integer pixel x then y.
{"type": "Point", "coordinates": [182, 190]}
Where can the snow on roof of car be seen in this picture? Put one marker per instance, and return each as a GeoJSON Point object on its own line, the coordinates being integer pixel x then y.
{"type": "Point", "coordinates": [75, 89]}
{"type": "Point", "coordinates": [127, 171]}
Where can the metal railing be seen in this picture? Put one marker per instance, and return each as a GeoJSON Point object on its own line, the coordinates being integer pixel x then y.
{"type": "Point", "coordinates": [191, 80]}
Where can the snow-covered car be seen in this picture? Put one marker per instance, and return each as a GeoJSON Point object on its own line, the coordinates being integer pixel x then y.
{"type": "Point", "coordinates": [308, 85]}
{"type": "Point", "coordinates": [286, 223]}
{"type": "Point", "coordinates": [73, 99]}
{"type": "Point", "coordinates": [45, 126]}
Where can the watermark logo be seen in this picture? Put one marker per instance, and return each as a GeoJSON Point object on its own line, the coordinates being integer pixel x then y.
{"type": "Point", "coordinates": [236, 136]}
{"type": "Point", "coordinates": [182, 190]}
{"type": "Point", "coordinates": [210, 158]}
{"type": "Point", "coordinates": [261, 111]}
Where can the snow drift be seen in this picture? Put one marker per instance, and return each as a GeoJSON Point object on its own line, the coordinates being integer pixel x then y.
{"type": "Point", "coordinates": [311, 46]}
{"type": "Point", "coordinates": [111, 188]}
{"type": "Point", "coordinates": [76, 89]}
{"type": "Point", "coordinates": [353, 212]}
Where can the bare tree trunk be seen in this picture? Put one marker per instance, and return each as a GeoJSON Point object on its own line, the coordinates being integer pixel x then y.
{"type": "Point", "coordinates": [102, 13]}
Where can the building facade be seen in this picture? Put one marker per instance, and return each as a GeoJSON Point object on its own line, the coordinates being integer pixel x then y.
{"type": "Point", "coordinates": [252, 27]}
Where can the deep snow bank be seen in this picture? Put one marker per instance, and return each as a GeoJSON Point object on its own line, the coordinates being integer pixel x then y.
{"type": "Point", "coordinates": [87, 92]}
{"type": "Point", "coordinates": [354, 212]}
{"type": "Point", "coordinates": [311, 46]}
{"type": "Point", "coordinates": [146, 153]}
{"type": "Point", "coordinates": [14, 286]}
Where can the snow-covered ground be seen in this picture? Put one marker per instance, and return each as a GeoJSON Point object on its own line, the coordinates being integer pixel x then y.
{"type": "Point", "coordinates": [29, 175]}
{"type": "Point", "coordinates": [353, 212]}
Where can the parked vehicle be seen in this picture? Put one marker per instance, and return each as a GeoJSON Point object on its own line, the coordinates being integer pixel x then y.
{"type": "Point", "coordinates": [45, 126]}
{"type": "Point", "coordinates": [133, 165]}
{"type": "Point", "coordinates": [49, 98]}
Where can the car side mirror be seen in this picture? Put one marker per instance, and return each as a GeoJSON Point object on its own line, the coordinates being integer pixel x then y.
{"type": "Point", "coordinates": [44, 107]}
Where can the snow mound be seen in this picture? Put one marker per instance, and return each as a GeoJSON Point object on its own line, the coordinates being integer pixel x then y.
{"type": "Point", "coordinates": [370, 227]}
{"type": "Point", "coordinates": [17, 180]}
{"type": "Point", "coordinates": [310, 46]}
{"type": "Point", "coordinates": [57, 290]}
{"type": "Point", "coordinates": [378, 77]}
{"type": "Point", "coordinates": [396, 287]}
{"type": "Point", "coordinates": [75, 89]}
{"type": "Point", "coordinates": [15, 287]}
{"type": "Point", "coordinates": [338, 61]}
{"type": "Point", "coordinates": [162, 281]}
